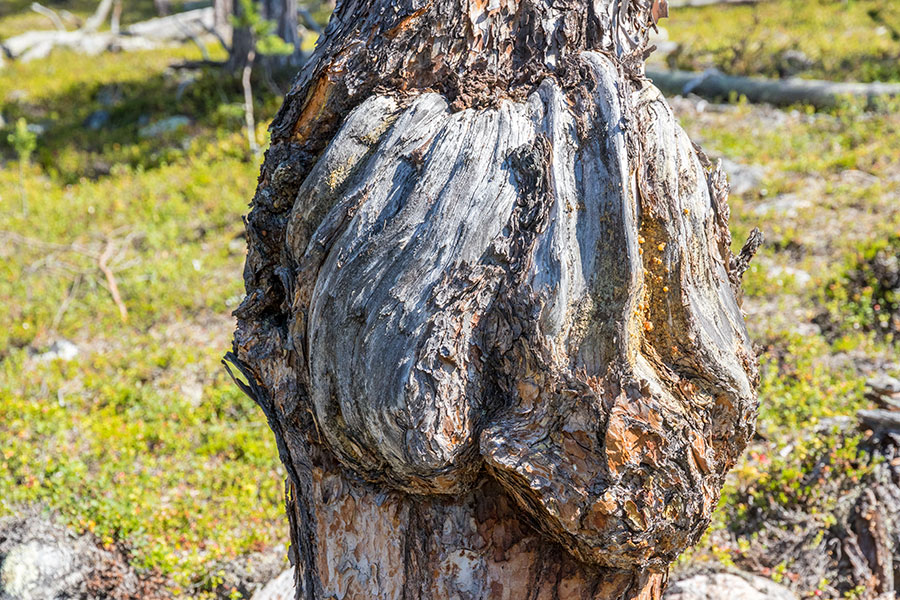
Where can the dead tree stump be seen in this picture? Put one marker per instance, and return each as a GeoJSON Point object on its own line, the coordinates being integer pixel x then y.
{"type": "Point", "coordinates": [492, 313]}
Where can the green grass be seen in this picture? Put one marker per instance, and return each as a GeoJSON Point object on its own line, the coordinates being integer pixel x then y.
{"type": "Point", "coordinates": [865, 296]}
{"type": "Point", "coordinates": [857, 40]}
{"type": "Point", "coordinates": [141, 439]}
{"type": "Point", "coordinates": [843, 165]}
{"type": "Point", "coordinates": [113, 444]}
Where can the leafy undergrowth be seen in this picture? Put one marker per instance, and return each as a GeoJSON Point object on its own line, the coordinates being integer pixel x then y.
{"type": "Point", "coordinates": [824, 39]}
{"type": "Point", "coordinates": [140, 438]}
{"type": "Point", "coordinates": [785, 514]}
{"type": "Point", "coordinates": [866, 295]}
{"type": "Point", "coordinates": [828, 206]}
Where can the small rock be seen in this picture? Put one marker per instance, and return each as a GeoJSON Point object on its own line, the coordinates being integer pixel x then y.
{"type": "Point", "coordinates": [884, 384]}
{"type": "Point", "coordinates": [787, 205]}
{"type": "Point", "coordinates": [237, 246]}
{"type": "Point", "coordinates": [97, 120]}
{"type": "Point", "coordinates": [185, 82]}
{"type": "Point", "coordinates": [801, 277]}
{"type": "Point", "coordinates": [857, 177]}
{"type": "Point", "coordinates": [63, 350]}
{"type": "Point", "coordinates": [280, 588]}
{"type": "Point", "coordinates": [249, 574]}
{"type": "Point", "coordinates": [35, 570]}
{"type": "Point", "coordinates": [40, 560]}
{"type": "Point", "coordinates": [37, 129]}
{"type": "Point", "coordinates": [807, 329]}
{"type": "Point", "coordinates": [792, 62]}
{"type": "Point", "coordinates": [841, 423]}
{"type": "Point", "coordinates": [730, 586]}
{"type": "Point", "coordinates": [192, 389]}
{"type": "Point", "coordinates": [743, 178]}
{"type": "Point", "coordinates": [164, 126]}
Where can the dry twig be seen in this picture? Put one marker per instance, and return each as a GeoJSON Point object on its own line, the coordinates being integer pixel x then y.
{"type": "Point", "coordinates": [102, 262]}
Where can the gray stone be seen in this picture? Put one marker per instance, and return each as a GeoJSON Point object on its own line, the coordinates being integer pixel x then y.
{"type": "Point", "coordinates": [38, 570]}
{"type": "Point", "coordinates": [97, 120]}
{"type": "Point", "coordinates": [60, 349]}
{"type": "Point", "coordinates": [40, 560]}
{"type": "Point", "coordinates": [249, 574]}
{"type": "Point", "coordinates": [743, 179]}
{"type": "Point", "coordinates": [884, 384]}
{"type": "Point", "coordinates": [791, 62]}
{"type": "Point", "coordinates": [37, 128]}
{"type": "Point", "coordinates": [109, 95]}
{"type": "Point", "coordinates": [280, 588]}
{"type": "Point", "coordinates": [164, 126]}
{"type": "Point", "coordinates": [730, 586]}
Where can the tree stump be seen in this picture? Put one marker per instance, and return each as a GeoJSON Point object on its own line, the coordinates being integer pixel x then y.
{"type": "Point", "coordinates": [492, 313]}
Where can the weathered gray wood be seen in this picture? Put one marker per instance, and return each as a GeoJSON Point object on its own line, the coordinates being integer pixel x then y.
{"type": "Point", "coordinates": [780, 92]}
{"type": "Point", "coordinates": [492, 312]}
{"type": "Point", "coordinates": [879, 420]}
{"type": "Point", "coordinates": [181, 27]}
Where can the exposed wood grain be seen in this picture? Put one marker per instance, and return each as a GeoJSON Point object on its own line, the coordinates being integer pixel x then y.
{"type": "Point", "coordinates": [492, 311]}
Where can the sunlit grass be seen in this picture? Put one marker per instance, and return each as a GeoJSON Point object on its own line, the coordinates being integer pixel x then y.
{"type": "Point", "coordinates": [856, 41]}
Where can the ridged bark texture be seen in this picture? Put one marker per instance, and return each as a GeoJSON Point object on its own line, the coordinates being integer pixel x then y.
{"type": "Point", "coordinates": [492, 312]}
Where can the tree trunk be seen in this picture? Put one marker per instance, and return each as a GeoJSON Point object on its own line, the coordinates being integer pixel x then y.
{"type": "Point", "coordinates": [163, 7]}
{"type": "Point", "coordinates": [242, 42]}
{"type": "Point", "coordinates": [284, 14]}
{"type": "Point", "coordinates": [222, 11]}
{"type": "Point", "coordinates": [492, 313]}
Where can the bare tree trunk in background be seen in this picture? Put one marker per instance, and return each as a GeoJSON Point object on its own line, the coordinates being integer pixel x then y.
{"type": "Point", "coordinates": [222, 11]}
{"type": "Point", "coordinates": [249, 119]}
{"type": "Point", "coordinates": [116, 18]}
{"type": "Point", "coordinates": [492, 313]}
{"type": "Point", "coordinates": [241, 42]}
{"type": "Point", "coordinates": [162, 7]}
{"type": "Point", "coordinates": [284, 14]}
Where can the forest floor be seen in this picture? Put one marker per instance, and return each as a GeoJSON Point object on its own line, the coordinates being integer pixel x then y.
{"type": "Point", "coordinates": [129, 428]}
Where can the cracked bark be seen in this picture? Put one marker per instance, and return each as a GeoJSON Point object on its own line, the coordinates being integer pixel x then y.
{"type": "Point", "coordinates": [492, 312]}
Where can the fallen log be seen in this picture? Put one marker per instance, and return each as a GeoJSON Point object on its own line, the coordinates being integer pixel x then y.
{"type": "Point", "coordinates": [179, 28]}
{"type": "Point", "coordinates": [714, 84]}
{"type": "Point", "coordinates": [33, 45]}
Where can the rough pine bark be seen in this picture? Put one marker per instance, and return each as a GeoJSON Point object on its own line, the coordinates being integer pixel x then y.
{"type": "Point", "coordinates": [492, 313]}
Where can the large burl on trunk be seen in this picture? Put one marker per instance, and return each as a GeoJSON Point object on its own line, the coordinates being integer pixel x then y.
{"type": "Point", "coordinates": [492, 313]}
